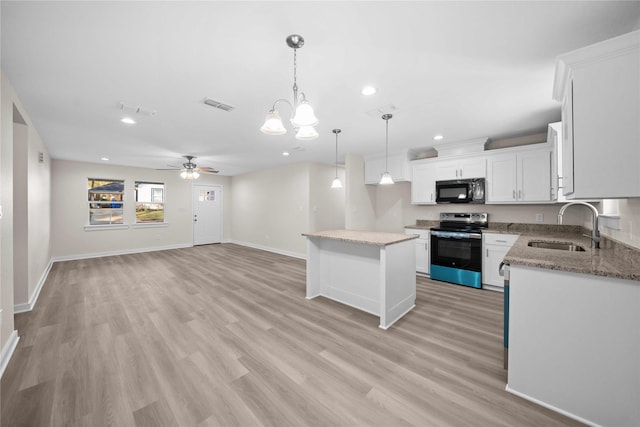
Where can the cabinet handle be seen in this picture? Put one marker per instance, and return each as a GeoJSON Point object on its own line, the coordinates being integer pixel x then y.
{"type": "Point", "coordinates": [514, 194]}
{"type": "Point", "coordinates": [519, 194]}
{"type": "Point", "coordinates": [501, 241]}
{"type": "Point", "coordinates": [487, 250]}
{"type": "Point", "coordinates": [426, 246]}
{"type": "Point", "coordinates": [432, 197]}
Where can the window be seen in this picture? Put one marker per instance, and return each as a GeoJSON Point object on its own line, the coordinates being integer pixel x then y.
{"type": "Point", "coordinates": [106, 203]}
{"type": "Point", "coordinates": [149, 202]}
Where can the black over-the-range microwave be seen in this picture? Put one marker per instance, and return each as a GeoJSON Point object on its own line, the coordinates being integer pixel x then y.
{"type": "Point", "coordinates": [460, 191]}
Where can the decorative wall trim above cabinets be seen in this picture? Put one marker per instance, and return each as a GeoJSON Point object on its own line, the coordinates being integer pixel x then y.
{"type": "Point", "coordinates": [461, 147]}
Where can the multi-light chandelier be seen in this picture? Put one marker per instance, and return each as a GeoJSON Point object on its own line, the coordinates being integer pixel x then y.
{"type": "Point", "coordinates": [303, 119]}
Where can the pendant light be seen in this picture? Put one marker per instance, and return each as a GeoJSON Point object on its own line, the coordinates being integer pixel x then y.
{"type": "Point", "coordinates": [303, 118]}
{"type": "Point", "coordinates": [336, 181]}
{"type": "Point", "coordinates": [386, 179]}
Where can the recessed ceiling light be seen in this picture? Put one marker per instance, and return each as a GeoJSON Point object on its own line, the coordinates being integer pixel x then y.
{"type": "Point", "coordinates": [128, 120]}
{"type": "Point", "coordinates": [285, 153]}
{"type": "Point", "coordinates": [368, 90]}
{"type": "Point", "coordinates": [104, 159]}
{"type": "Point", "coordinates": [438, 137]}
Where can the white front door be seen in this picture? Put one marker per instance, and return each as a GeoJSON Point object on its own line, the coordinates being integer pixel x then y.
{"type": "Point", "coordinates": [207, 214]}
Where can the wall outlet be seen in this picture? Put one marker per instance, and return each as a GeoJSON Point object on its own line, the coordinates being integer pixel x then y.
{"type": "Point", "coordinates": [539, 217]}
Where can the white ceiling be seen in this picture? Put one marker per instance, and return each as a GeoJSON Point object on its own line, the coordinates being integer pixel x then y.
{"type": "Point", "coordinates": [463, 69]}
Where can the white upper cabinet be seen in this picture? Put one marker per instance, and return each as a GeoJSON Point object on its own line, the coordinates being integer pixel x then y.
{"type": "Point", "coordinates": [519, 177]}
{"type": "Point", "coordinates": [423, 184]}
{"type": "Point", "coordinates": [599, 87]}
{"type": "Point", "coordinates": [397, 165]}
{"type": "Point", "coordinates": [554, 139]}
{"type": "Point", "coordinates": [471, 167]}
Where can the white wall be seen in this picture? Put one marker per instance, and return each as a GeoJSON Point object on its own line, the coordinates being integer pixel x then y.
{"type": "Point", "coordinates": [629, 211]}
{"type": "Point", "coordinates": [271, 208]}
{"type": "Point", "coordinates": [70, 211]}
{"type": "Point", "coordinates": [21, 217]}
{"type": "Point", "coordinates": [25, 224]}
{"type": "Point", "coordinates": [360, 207]}
{"type": "Point", "coordinates": [326, 204]}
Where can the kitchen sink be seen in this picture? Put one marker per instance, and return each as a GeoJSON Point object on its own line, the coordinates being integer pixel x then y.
{"type": "Point", "coordinates": [562, 246]}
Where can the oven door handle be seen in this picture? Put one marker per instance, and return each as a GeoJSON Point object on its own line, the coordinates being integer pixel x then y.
{"type": "Point", "coordinates": [455, 235]}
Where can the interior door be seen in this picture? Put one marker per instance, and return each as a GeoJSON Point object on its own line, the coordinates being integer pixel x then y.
{"type": "Point", "coordinates": [207, 214]}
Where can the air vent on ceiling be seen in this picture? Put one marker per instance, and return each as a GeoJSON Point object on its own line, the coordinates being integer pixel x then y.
{"type": "Point", "coordinates": [218, 105]}
{"type": "Point", "coordinates": [136, 109]}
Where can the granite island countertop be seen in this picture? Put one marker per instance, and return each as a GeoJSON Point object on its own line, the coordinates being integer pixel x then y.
{"type": "Point", "coordinates": [376, 238]}
{"type": "Point", "coordinates": [613, 259]}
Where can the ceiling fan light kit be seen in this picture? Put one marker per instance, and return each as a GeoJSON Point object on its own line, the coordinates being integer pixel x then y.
{"type": "Point", "coordinates": [303, 118]}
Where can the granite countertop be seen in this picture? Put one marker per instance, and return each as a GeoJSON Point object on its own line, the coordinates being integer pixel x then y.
{"type": "Point", "coordinates": [375, 238]}
{"type": "Point", "coordinates": [613, 259]}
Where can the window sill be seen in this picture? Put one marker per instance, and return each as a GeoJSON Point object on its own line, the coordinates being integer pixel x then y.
{"type": "Point", "coordinates": [106, 227]}
{"type": "Point", "coordinates": [150, 225]}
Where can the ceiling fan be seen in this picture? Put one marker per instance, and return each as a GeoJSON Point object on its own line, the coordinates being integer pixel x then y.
{"type": "Point", "coordinates": [190, 170]}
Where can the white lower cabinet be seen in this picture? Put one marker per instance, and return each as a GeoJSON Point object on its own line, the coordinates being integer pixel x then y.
{"type": "Point", "coordinates": [495, 246]}
{"type": "Point", "coordinates": [422, 249]}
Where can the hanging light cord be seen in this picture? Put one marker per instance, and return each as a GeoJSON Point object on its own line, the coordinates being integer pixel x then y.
{"type": "Point", "coordinates": [336, 154]}
{"type": "Point", "coordinates": [295, 78]}
{"type": "Point", "coordinates": [386, 158]}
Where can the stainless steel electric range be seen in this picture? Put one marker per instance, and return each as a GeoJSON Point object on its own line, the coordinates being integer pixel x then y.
{"type": "Point", "coordinates": [456, 248]}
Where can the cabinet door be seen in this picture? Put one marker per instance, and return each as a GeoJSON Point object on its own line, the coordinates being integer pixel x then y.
{"type": "Point", "coordinates": [493, 256]}
{"type": "Point", "coordinates": [422, 256]}
{"type": "Point", "coordinates": [473, 168]}
{"type": "Point", "coordinates": [566, 179]}
{"type": "Point", "coordinates": [423, 185]}
{"type": "Point", "coordinates": [534, 176]}
{"type": "Point", "coordinates": [373, 169]}
{"type": "Point", "coordinates": [447, 170]}
{"type": "Point", "coordinates": [501, 178]}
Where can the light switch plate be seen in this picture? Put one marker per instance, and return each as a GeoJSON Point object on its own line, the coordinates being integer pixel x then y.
{"type": "Point", "coordinates": [539, 217]}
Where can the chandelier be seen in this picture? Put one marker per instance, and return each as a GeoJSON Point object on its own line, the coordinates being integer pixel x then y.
{"type": "Point", "coordinates": [303, 119]}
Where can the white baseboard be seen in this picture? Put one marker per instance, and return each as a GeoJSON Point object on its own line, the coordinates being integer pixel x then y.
{"type": "Point", "coordinates": [24, 307]}
{"type": "Point", "coordinates": [269, 249]}
{"type": "Point", "coordinates": [121, 252]}
{"type": "Point", "coordinates": [553, 408]}
{"type": "Point", "coordinates": [7, 351]}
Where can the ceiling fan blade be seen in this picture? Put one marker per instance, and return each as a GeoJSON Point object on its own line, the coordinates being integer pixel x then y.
{"type": "Point", "coordinates": [170, 168]}
{"type": "Point", "coordinates": [207, 170]}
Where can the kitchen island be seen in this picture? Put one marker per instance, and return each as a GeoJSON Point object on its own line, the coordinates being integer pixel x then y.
{"type": "Point", "coordinates": [573, 333]}
{"type": "Point", "coordinates": [371, 271]}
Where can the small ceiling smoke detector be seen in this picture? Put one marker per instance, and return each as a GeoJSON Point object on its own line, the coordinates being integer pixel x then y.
{"type": "Point", "coordinates": [218, 105]}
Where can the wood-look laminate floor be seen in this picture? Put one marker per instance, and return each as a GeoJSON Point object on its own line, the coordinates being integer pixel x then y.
{"type": "Point", "coordinates": [222, 335]}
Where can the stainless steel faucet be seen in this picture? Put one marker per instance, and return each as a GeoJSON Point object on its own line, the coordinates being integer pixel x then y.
{"type": "Point", "coordinates": [595, 234]}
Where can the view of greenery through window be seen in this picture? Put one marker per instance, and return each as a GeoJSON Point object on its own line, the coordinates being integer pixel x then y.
{"type": "Point", "coordinates": [149, 202]}
{"type": "Point", "coordinates": [106, 204]}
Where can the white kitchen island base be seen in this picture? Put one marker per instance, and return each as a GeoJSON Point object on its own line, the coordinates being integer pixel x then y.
{"type": "Point", "coordinates": [367, 273]}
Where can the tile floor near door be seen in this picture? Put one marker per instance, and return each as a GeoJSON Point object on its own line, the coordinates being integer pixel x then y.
{"type": "Point", "coordinates": [223, 335]}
